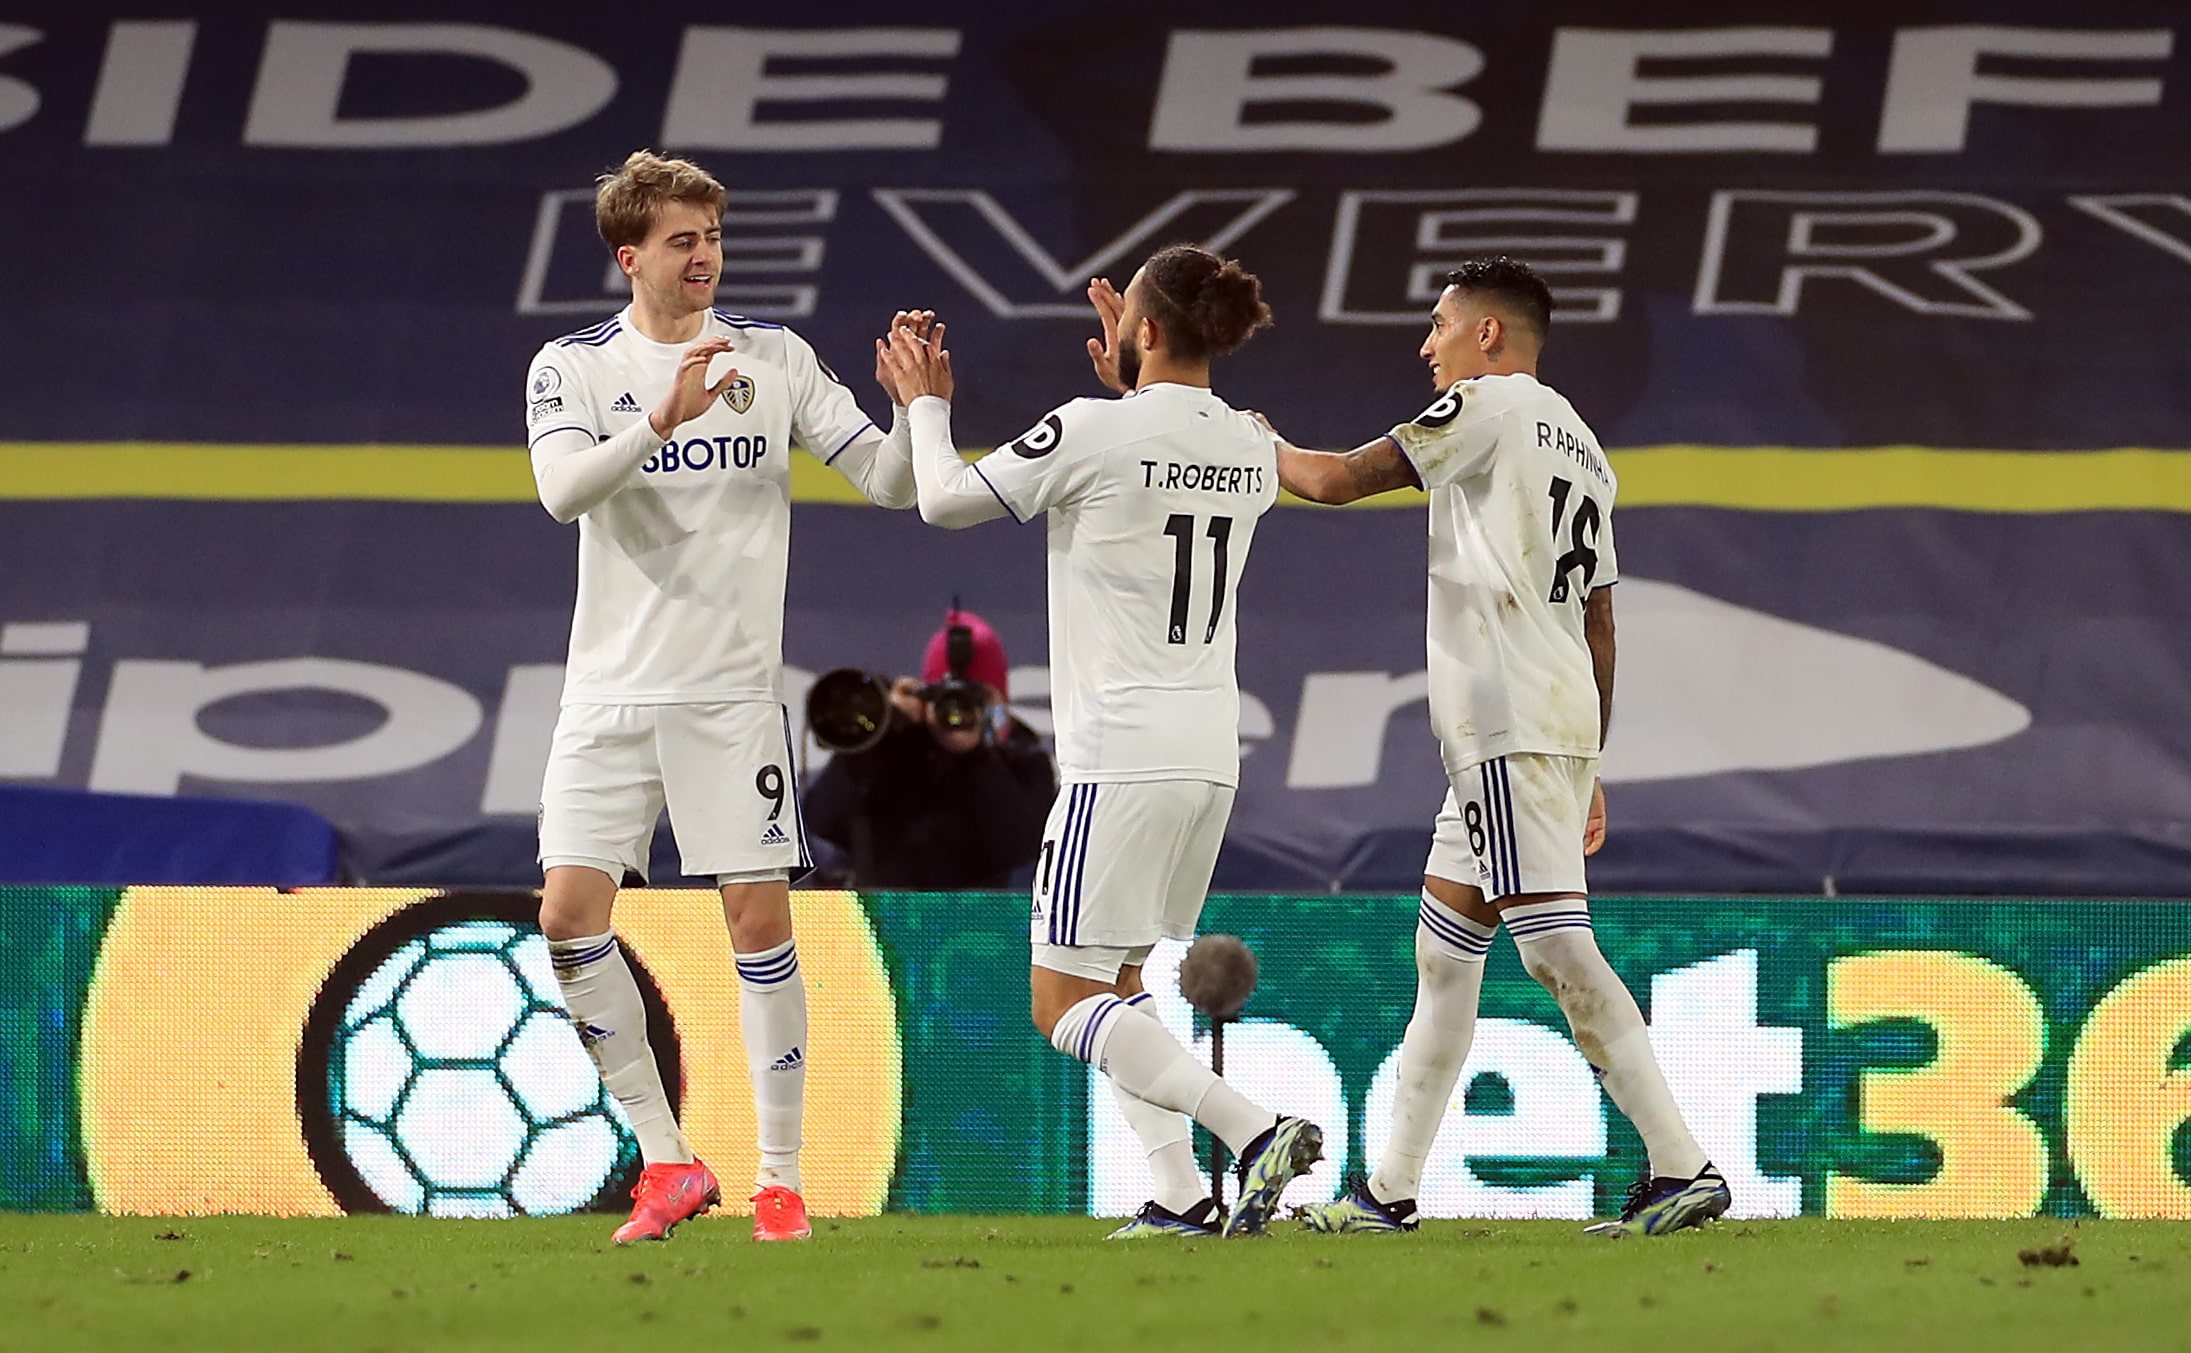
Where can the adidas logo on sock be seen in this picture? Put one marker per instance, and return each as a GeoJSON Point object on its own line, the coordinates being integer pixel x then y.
{"type": "Point", "coordinates": [774, 836]}
{"type": "Point", "coordinates": [589, 1034]}
{"type": "Point", "coordinates": [624, 404]}
{"type": "Point", "coordinates": [790, 1061]}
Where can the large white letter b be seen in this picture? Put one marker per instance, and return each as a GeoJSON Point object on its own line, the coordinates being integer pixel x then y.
{"type": "Point", "coordinates": [1210, 83]}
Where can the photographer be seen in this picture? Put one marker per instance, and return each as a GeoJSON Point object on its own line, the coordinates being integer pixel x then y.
{"type": "Point", "coordinates": [955, 792]}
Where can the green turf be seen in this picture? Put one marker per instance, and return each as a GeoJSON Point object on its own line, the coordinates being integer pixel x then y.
{"type": "Point", "coordinates": [1049, 1285]}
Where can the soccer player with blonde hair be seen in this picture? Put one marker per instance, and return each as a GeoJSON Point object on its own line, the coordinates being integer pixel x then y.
{"type": "Point", "coordinates": [665, 432]}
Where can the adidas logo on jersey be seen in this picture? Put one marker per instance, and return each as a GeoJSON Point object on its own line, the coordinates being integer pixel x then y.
{"type": "Point", "coordinates": [790, 1061]}
{"type": "Point", "coordinates": [774, 836]}
{"type": "Point", "coordinates": [624, 404]}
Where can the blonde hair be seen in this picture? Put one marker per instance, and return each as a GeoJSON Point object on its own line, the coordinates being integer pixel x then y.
{"type": "Point", "coordinates": [625, 201]}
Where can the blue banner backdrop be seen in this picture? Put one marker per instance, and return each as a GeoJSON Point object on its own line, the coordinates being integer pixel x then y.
{"type": "Point", "coordinates": [1803, 697]}
{"type": "Point", "coordinates": [1778, 227]}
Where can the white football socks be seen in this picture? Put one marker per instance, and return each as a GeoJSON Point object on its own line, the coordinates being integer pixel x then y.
{"type": "Point", "coordinates": [772, 1017]}
{"type": "Point", "coordinates": [1559, 950]}
{"type": "Point", "coordinates": [602, 998]}
{"type": "Point", "coordinates": [1147, 1062]}
{"type": "Point", "coordinates": [1180, 1184]}
{"type": "Point", "coordinates": [1449, 960]}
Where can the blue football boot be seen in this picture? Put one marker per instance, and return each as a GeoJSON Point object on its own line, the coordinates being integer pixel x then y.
{"type": "Point", "coordinates": [1357, 1212]}
{"type": "Point", "coordinates": [1657, 1206]}
{"type": "Point", "coordinates": [1154, 1221]}
{"type": "Point", "coordinates": [1271, 1162]}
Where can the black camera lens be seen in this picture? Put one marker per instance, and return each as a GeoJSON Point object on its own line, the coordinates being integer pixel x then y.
{"type": "Point", "coordinates": [957, 704]}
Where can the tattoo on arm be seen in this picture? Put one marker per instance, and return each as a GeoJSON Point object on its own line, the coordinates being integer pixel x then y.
{"type": "Point", "coordinates": [1379, 468]}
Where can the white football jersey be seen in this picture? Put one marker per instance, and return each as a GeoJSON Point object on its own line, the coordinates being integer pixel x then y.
{"type": "Point", "coordinates": [1521, 531]}
{"type": "Point", "coordinates": [1153, 500]}
{"type": "Point", "coordinates": [681, 571]}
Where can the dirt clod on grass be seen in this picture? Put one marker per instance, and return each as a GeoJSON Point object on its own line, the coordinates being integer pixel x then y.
{"type": "Point", "coordinates": [2061, 1254]}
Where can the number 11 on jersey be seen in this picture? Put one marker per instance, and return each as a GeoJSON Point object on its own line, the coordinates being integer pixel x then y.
{"type": "Point", "coordinates": [1180, 526]}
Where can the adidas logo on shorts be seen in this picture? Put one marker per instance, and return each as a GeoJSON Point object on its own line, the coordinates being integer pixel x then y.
{"type": "Point", "coordinates": [774, 836]}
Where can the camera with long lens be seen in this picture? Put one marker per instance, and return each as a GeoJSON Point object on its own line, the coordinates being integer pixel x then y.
{"type": "Point", "coordinates": [957, 701]}
{"type": "Point", "coordinates": [849, 710]}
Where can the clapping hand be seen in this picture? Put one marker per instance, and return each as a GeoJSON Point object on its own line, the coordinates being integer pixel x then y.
{"type": "Point", "coordinates": [919, 321]}
{"type": "Point", "coordinates": [917, 366]}
{"type": "Point", "coordinates": [689, 392]}
{"type": "Point", "coordinates": [1110, 308]}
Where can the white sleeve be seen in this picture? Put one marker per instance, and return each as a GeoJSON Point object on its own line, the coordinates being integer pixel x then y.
{"type": "Point", "coordinates": [575, 474]}
{"type": "Point", "coordinates": [1050, 464]}
{"type": "Point", "coordinates": [952, 493]}
{"type": "Point", "coordinates": [574, 467]}
{"type": "Point", "coordinates": [881, 467]}
{"type": "Point", "coordinates": [556, 399]}
{"type": "Point", "coordinates": [825, 417]}
{"type": "Point", "coordinates": [1453, 438]}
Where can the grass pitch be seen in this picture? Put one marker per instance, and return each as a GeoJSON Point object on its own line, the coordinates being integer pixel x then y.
{"type": "Point", "coordinates": [1051, 1284]}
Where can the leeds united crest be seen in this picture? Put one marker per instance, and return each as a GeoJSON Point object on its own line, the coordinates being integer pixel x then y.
{"type": "Point", "coordinates": [740, 394]}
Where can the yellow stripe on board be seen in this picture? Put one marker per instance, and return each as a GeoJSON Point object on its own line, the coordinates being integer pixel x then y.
{"type": "Point", "coordinates": [1779, 480]}
{"type": "Point", "coordinates": [1765, 479]}
{"type": "Point", "coordinates": [228, 473]}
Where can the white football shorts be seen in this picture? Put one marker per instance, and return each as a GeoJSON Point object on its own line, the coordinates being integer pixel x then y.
{"type": "Point", "coordinates": [1513, 824]}
{"type": "Point", "coordinates": [724, 770]}
{"type": "Point", "coordinates": [1123, 865]}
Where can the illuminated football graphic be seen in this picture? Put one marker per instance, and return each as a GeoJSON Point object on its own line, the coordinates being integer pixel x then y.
{"type": "Point", "coordinates": [453, 1083]}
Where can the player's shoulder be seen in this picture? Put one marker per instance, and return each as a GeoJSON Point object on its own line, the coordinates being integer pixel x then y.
{"type": "Point", "coordinates": [569, 356]}
{"type": "Point", "coordinates": [1481, 400]}
{"type": "Point", "coordinates": [754, 334]}
{"type": "Point", "coordinates": [598, 335]}
{"type": "Point", "coordinates": [732, 322]}
{"type": "Point", "coordinates": [770, 341]}
{"type": "Point", "coordinates": [1076, 427]}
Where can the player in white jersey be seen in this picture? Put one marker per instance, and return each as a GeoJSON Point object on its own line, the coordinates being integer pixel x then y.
{"type": "Point", "coordinates": [1521, 693]}
{"type": "Point", "coordinates": [1152, 501]}
{"type": "Point", "coordinates": [680, 485]}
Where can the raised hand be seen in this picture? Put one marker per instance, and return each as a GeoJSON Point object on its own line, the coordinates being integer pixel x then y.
{"type": "Point", "coordinates": [1110, 307]}
{"type": "Point", "coordinates": [919, 322]}
{"type": "Point", "coordinates": [918, 367]}
{"type": "Point", "coordinates": [689, 392]}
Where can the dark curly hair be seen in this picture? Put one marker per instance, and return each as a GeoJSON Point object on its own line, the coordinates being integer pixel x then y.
{"type": "Point", "coordinates": [1206, 305]}
{"type": "Point", "coordinates": [1512, 283]}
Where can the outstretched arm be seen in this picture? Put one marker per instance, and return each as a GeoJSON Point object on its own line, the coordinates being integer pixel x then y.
{"type": "Point", "coordinates": [881, 466]}
{"type": "Point", "coordinates": [1343, 476]}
